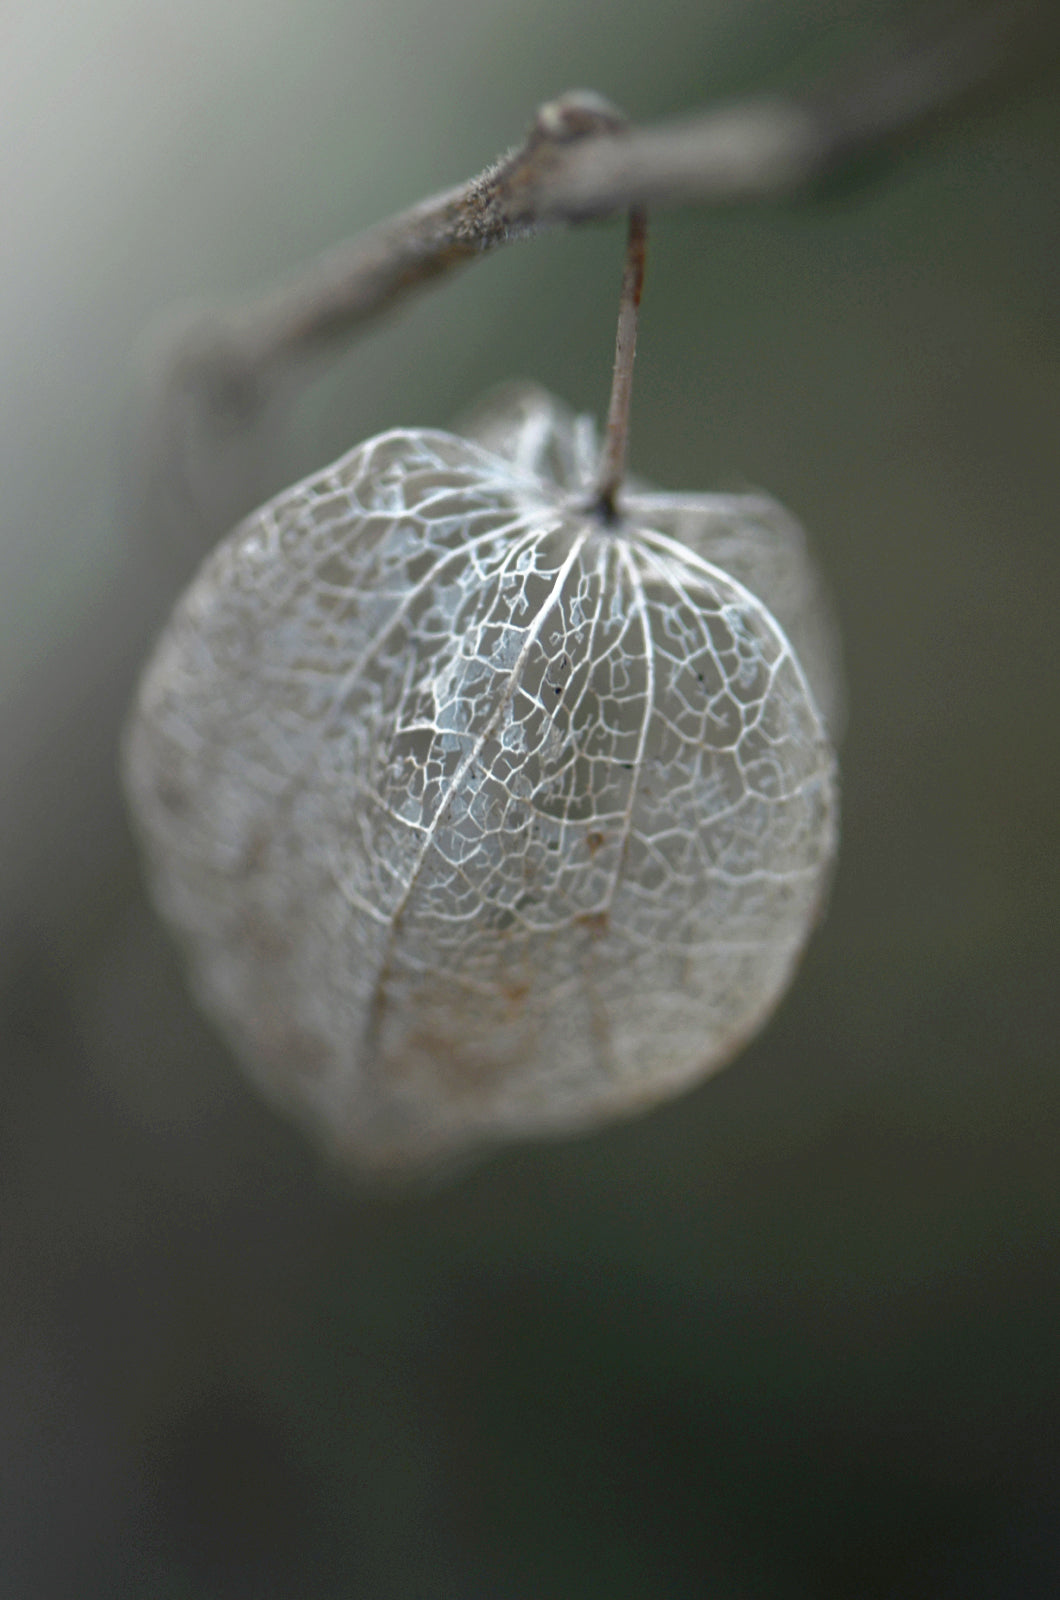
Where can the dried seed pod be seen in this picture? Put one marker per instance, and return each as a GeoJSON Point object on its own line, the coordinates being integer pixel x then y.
{"type": "Point", "coordinates": [480, 816]}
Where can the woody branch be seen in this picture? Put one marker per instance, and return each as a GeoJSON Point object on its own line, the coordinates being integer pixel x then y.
{"type": "Point", "coordinates": [581, 160]}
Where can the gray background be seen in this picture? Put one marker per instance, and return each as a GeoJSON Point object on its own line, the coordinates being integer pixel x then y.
{"type": "Point", "coordinates": [792, 1335]}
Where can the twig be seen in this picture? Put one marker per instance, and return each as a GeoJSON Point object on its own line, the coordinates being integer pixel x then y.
{"type": "Point", "coordinates": [613, 461]}
{"type": "Point", "coordinates": [581, 161]}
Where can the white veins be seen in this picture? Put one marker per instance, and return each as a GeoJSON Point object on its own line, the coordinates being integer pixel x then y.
{"type": "Point", "coordinates": [478, 818]}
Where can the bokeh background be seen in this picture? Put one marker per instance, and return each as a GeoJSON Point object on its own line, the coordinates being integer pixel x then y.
{"type": "Point", "coordinates": [793, 1335]}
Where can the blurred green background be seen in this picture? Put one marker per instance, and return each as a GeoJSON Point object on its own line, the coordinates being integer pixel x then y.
{"type": "Point", "coordinates": [793, 1335]}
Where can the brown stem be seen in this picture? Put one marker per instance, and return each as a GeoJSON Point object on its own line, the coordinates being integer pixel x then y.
{"type": "Point", "coordinates": [579, 161]}
{"type": "Point", "coordinates": [613, 457]}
